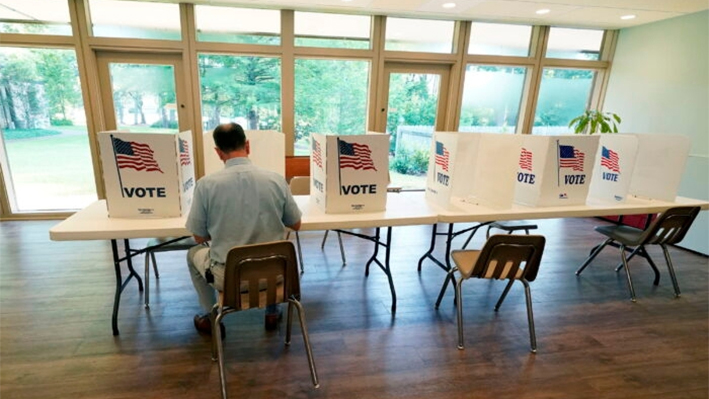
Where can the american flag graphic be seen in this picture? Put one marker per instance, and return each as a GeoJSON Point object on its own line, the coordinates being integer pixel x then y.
{"type": "Point", "coordinates": [609, 159]}
{"type": "Point", "coordinates": [316, 153]}
{"type": "Point", "coordinates": [184, 153]}
{"type": "Point", "coordinates": [355, 156]}
{"type": "Point", "coordinates": [442, 156]}
{"type": "Point", "coordinates": [132, 155]}
{"type": "Point", "coordinates": [570, 157]}
{"type": "Point", "coordinates": [525, 160]}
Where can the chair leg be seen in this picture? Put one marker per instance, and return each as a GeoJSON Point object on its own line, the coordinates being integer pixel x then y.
{"type": "Point", "coordinates": [342, 249]}
{"type": "Point", "coordinates": [530, 315]}
{"type": "Point", "coordinates": [324, 238]}
{"type": "Point", "coordinates": [300, 253]}
{"type": "Point", "coordinates": [459, 301]}
{"type": "Point", "coordinates": [593, 254]}
{"type": "Point", "coordinates": [672, 270]}
{"type": "Point", "coordinates": [218, 344]}
{"type": "Point", "coordinates": [155, 265]}
{"type": "Point", "coordinates": [147, 280]}
{"type": "Point", "coordinates": [627, 273]}
{"type": "Point", "coordinates": [504, 294]}
{"type": "Point", "coordinates": [306, 341]}
{"type": "Point", "coordinates": [632, 254]}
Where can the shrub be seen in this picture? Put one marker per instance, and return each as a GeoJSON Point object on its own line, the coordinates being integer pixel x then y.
{"type": "Point", "coordinates": [17, 134]}
{"type": "Point", "coordinates": [168, 125]}
{"type": "Point", "coordinates": [61, 122]}
{"type": "Point", "coordinates": [410, 162]}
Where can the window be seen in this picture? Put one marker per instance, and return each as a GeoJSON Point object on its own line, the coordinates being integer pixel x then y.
{"type": "Point", "coordinates": [133, 19]}
{"type": "Point", "coordinates": [332, 30]}
{"type": "Point", "coordinates": [419, 35]}
{"type": "Point", "coordinates": [238, 25]}
{"type": "Point", "coordinates": [564, 94]}
{"type": "Point", "coordinates": [491, 99]}
{"type": "Point", "coordinates": [499, 39]}
{"type": "Point", "coordinates": [576, 44]}
{"type": "Point", "coordinates": [330, 98]}
{"type": "Point", "coordinates": [48, 17]}
{"type": "Point", "coordinates": [241, 89]}
{"type": "Point", "coordinates": [144, 97]}
{"type": "Point", "coordinates": [43, 126]}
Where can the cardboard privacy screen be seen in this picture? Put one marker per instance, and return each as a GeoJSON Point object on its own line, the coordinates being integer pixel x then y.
{"type": "Point", "coordinates": [349, 173]}
{"type": "Point", "coordinates": [268, 151]}
{"type": "Point", "coordinates": [147, 174]}
{"type": "Point", "coordinates": [659, 166]}
{"type": "Point", "coordinates": [613, 168]}
{"type": "Point", "coordinates": [555, 170]}
{"type": "Point", "coordinates": [478, 168]}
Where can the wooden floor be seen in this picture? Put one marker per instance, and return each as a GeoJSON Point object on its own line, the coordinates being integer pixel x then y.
{"type": "Point", "coordinates": [56, 341]}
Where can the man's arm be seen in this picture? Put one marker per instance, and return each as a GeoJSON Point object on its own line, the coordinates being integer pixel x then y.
{"type": "Point", "coordinates": [202, 240]}
{"type": "Point", "coordinates": [295, 226]}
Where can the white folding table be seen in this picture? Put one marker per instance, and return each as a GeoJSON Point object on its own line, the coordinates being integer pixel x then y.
{"type": "Point", "coordinates": [93, 223]}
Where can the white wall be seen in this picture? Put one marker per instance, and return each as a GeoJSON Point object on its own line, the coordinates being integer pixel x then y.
{"type": "Point", "coordinates": [659, 83]}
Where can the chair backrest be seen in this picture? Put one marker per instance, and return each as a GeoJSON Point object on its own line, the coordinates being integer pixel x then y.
{"type": "Point", "coordinates": [260, 274]}
{"type": "Point", "coordinates": [671, 226]}
{"type": "Point", "coordinates": [503, 255]}
{"type": "Point", "coordinates": [300, 185]}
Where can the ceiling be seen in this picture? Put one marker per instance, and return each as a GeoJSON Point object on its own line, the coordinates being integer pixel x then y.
{"type": "Point", "coordinates": [603, 14]}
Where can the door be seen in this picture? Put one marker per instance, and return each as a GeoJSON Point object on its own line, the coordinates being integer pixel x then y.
{"type": "Point", "coordinates": [143, 92]}
{"type": "Point", "coordinates": [412, 105]}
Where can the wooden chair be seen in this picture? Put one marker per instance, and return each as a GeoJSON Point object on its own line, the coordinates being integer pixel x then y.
{"type": "Point", "coordinates": [669, 228]}
{"type": "Point", "coordinates": [256, 276]}
{"type": "Point", "coordinates": [503, 257]}
{"type": "Point", "coordinates": [300, 185]}
{"type": "Point", "coordinates": [162, 245]}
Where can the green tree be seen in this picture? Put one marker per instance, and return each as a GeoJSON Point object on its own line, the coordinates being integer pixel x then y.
{"type": "Point", "coordinates": [60, 74]}
{"type": "Point", "coordinates": [19, 90]}
{"type": "Point", "coordinates": [241, 86]}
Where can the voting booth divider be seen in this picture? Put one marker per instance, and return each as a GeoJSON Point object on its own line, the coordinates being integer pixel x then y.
{"type": "Point", "coordinates": [147, 174]}
{"type": "Point", "coordinates": [659, 166]}
{"type": "Point", "coordinates": [268, 150]}
{"type": "Point", "coordinates": [476, 168]}
{"type": "Point", "coordinates": [349, 174]}
{"type": "Point", "coordinates": [555, 170]}
{"type": "Point", "coordinates": [613, 168]}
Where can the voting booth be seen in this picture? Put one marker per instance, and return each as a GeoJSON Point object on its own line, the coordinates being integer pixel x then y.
{"type": "Point", "coordinates": [613, 168]}
{"type": "Point", "coordinates": [477, 168]}
{"type": "Point", "coordinates": [555, 170]}
{"type": "Point", "coordinates": [350, 173]}
{"type": "Point", "coordinates": [659, 166]}
{"type": "Point", "coordinates": [147, 174]}
{"type": "Point", "coordinates": [268, 150]}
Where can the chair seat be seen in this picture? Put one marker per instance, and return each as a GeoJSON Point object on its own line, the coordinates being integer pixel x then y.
{"type": "Point", "coordinates": [186, 243]}
{"type": "Point", "coordinates": [514, 225]}
{"type": "Point", "coordinates": [624, 234]}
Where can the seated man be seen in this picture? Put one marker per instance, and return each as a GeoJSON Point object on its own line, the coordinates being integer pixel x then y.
{"type": "Point", "coordinates": [238, 205]}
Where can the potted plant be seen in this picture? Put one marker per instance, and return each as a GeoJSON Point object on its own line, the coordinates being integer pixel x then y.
{"type": "Point", "coordinates": [595, 121]}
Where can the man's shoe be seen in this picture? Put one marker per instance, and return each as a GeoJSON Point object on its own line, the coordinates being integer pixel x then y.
{"type": "Point", "coordinates": [272, 319]}
{"type": "Point", "coordinates": [204, 325]}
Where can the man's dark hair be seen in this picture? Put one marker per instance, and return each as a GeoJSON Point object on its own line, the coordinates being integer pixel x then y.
{"type": "Point", "coordinates": [229, 137]}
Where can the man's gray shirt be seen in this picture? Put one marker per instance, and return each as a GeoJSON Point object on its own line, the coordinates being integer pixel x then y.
{"type": "Point", "coordinates": [239, 205]}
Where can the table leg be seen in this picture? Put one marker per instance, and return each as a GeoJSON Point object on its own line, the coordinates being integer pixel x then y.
{"type": "Point", "coordinates": [431, 248]}
{"type": "Point", "coordinates": [119, 286]}
{"type": "Point", "coordinates": [129, 260]}
{"type": "Point", "coordinates": [373, 258]}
